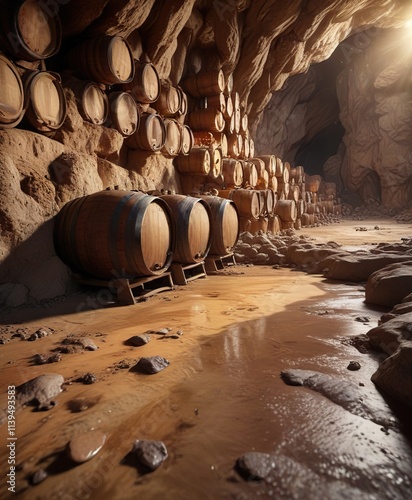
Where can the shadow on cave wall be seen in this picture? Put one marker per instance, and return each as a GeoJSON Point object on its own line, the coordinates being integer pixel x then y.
{"type": "Point", "coordinates": [314, 154]}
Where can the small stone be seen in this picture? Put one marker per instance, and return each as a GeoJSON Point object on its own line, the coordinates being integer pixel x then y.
{"type": "Point", "coordinates": [361, 384]}
{"type": "Point", "coordinates": [40, 390]}
{"type": "Point", "coordinates": [88, 378]}
{"type": "Point", "coordinates": [151, 365]}
{"type": "Point", "coordinates": [255, 465]}
{"type": "Point", "coordinates": [376, 227]}
{"type": "Point", "coordinates": [39, 476]}
{"type": "Point", "coordinates": [353, 366]}
{"type": "Point", "coordinates": [362, 319]}
{"type": "Point", "coordinates": [85, 446]}
{"type": "Point", "coordinates": [151, 454]}
{"type": "Point", "coordinates": [139, 340]}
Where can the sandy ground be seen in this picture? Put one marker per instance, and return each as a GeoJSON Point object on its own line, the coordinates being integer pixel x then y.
{"type": "Point", "coordinates": [230, 335]}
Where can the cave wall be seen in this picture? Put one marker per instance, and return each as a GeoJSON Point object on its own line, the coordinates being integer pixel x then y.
{"type": "Point", "coordinates": [365, 88]}
{"type": "Point", "coordinates": [262, 43]}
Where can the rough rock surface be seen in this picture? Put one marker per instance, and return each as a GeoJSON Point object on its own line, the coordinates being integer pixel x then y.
{"type": "Point", "coordinates": [344, 393]}
{"type": "Point", "coordinates": [39, 390]}
{"type": "Point", "coordinates": [255, 465]}
{"type": "Point", "coordinates": [151, 365]}
{"type": "Point", "coordinates": [151, 454]}
{"type": "Point", "coordinates": [390, 285]}
{"type": "Point", "coordinates": [394, 375]}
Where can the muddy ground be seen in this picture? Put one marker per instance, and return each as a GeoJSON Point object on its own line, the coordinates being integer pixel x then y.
{"type": "Point", "coordinates": [227, 338]}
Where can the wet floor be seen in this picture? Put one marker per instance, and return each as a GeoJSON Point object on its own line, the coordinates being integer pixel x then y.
{"type": "Point", "coordinates": [231, 401]}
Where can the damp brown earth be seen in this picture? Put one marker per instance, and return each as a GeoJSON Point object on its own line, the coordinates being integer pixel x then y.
{"type": "Point", "coordinates": [227, 338]}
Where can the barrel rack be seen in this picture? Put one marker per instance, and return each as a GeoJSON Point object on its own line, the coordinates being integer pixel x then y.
{"type": "Point", "coordinates": [128, 291]}
{"type": "Point", "coordinates": [182, 275]}
{"type": "Point", "coordinates": [215, 263]}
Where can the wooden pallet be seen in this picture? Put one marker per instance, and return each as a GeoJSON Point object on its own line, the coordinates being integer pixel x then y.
{"type": "Point", "coordinates": [182, 275]}
{"type": "Point", "coordinates": [129, 291]}
{"type": "Point", "coordinates": [215, 263]}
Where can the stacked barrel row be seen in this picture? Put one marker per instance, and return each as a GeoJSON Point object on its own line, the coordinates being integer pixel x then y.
{"type": "Point", "coordinates": [29, 34]}
{"type": "Point", "coordinates": [128, 234]}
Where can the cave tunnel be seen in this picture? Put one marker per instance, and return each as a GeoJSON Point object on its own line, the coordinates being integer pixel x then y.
{"type": "Point", "coordinates": [205, 249]}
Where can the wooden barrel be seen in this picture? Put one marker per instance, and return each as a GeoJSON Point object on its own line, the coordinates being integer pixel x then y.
{"type": "Point", "coordinates": [296, 173]}
{"type": "Point", "coordinates": [251, 147]}
{"type": "Point", "coordinates": [259, 225]}
{"type": "Point", "coordinates": [286, 209]}
{"type": "Point", "coordinates": [207, 119]}
{"type": "Point", "coordinates": [301, 207]}
{"type": "Point", "coordinates": [104, 59]}
{"type": "Point", "coordinates": [192, 225]}
{"type": "Point", "coordinates": [273, 184]}
{"type": "Point", "coordinates": [215, 162]}
{"type": "Point", "coordinates": [151, 134]}
{"type": "Point", "coordinates": [269, 163]}
{"type": "Point", "coordinates": [314, 183]}
{"type": "Point", "coordinates": [279, 168]}
{"type": "Point", "coordinates": [263, 180]}
{"type": "Point", "coordinates": [92, 102]}
{"type": "Point", "coordinates": [46, 101]}
{"type": "Point", "coordinates": [228, 108]}
{"type": "Point", "coordinates": [245, 153]}
{"type": "Point", "coordinates": [274, 224]}
{"type": "Point", "coordinates": [217, 102]}
{"type": "Point", "coordinates": [173, 142]}
{"type": "Point", "coordinates": [229, 84]}
{"type": "Point", "coordinates": [232, 173]}
{"type": "Point", "coordinates": [186, 139]}
{"type": "Point", "coordinates": [184, 104]}
{"type": "Point", "coordinates": [197, 162]}
{"type": "Point", "coordinates": [233, 146]}
{"type": "Point", "coordinates": [203, 138]}
{"type": "Point", "coordinates": [124, 115]}
{"type": "Point", "coordinates": [145, 85]}
{"type": "Point", "coordinates": [294, 192]}
{"type": "Point", "coordinates": [225, 225]}
{"type": "Point", "coordinates": [115, 233]}
{"type": "Point", "coordinates": [250, 174]}
{"type": "Point", "coordinates": [11, 94]}
{"type": "Point", "coordinates": [29, 29]}
{"type": "Point", "coordinates": [247, 201]}
{"type": "Point", "coordinates": [230, 125]}
{"type": "Point", "coordinates": [270, 200]}
{"type": "Point", "coordinates": [238, 118]}
{"type": "Point", "coordinates": [205, 84]}
{"type": "Point", "coordinates": [168, 103]}
{"type": "Point", "coordinates": [244, 123]}
{"type": "Point", "coordinates": [221, 142]}
{"type": "Point", "coordinates": [236, 100]}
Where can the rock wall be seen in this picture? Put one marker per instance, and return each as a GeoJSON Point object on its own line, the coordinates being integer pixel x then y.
{"type": "Point", "coordinates": [261, 43]}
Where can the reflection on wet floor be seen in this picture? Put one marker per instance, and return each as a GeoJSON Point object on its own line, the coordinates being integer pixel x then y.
{"type": "Point", "coordinates": [236, 402]}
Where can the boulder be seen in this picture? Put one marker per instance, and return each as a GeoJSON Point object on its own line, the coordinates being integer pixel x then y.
{"type": "Point", "coordinates": [390, 285]}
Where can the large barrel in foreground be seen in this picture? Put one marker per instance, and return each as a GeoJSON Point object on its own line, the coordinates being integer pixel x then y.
{"type": "Point", "coordinates": [113, 234]}
{"type": "Point", "coordinates": [225, 225]}
{"type": "Point", "coordinates": [191, 218]}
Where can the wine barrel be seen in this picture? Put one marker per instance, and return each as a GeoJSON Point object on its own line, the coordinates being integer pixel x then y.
{"type": "Point", "coordinates": [203, 139]}
{"type": "Point", "coordinates": [124, 115]}
{"type": "Point", "coordinates": [314, 183]}
{"type": "Point", "coordinates": [247, 201]}
{"type": "Point", "coordinates": [279, 167]}
{"type": "Point", "coordinates": [192, 226]}
{"type": "Point", "coordinates": [274, 224]}
{"type": "Point", "coordinates": [294, 192]}
{"type": "Point", "coordinates": [230, 125]}
{"type": "Point", "coordinates": [221, 142]}
{"type": "Point", "coordinates": [173, 142]}
{"type": "Point", "coordinates": [104, 59]}
{"type": "Point", "coordinates": [215, 162]}
{"type": "Point", "coordinates": [145, 85]}
{"type": "Point", "coordinates": [168, 103]}
{"type": "Point", "coordinates": [92, 102]}
{"type": "Point", "coordinates": [286, 209]}
{"type": "Point", "coordinates": [113, 234]}
{"type": "Point", "coordinates": [233, 146]}
{"type": "Point", "coordinates": [217, 102]}
{"type": "Point", "coordinates": [273, 184]}
{"type": "Point", "coordinates": [186, 139]}
{"type": "Point", "coordinates": [259, 225]}
{"type": "Point", "coordinates": [228, 113]}
{"type": "Point", "coordinates": [11, 94]}
{"type": "Point", "coordinates": [229, 84]}
{"type": "Point", "coordinates": [151, 134]}
{"type": "Point", "coordinates": [207, 119]}
{"type": "Point", "coordinates": [237, 119]}
{"type": "Point", "coordinates": [232, 173]}
{"type": "Point", "coordinates": [184, 104]}
{"type": "Point", "coordinates": [245, 152]}
{"type": "Point", "coordinates": [29, 29]}
{"type": "Point", "coordinates": [251, 147]}
{"type": "Point", "coordinates": [270, 200]}
{"type": "Point", "coordinates": [225, 224]}
{"type": "Point", "coordinates": [250, 174]}
{"type": "Point", "coordinates": [269, 162]}
{"type": "Point", "coordinates": [197, 162]}
{"type": "Point", "coordinates": [205, 84]}
{"type": "Point", "coordinates": [263, 180]}
{"type": "Point", "coordinates": [45, 101]}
